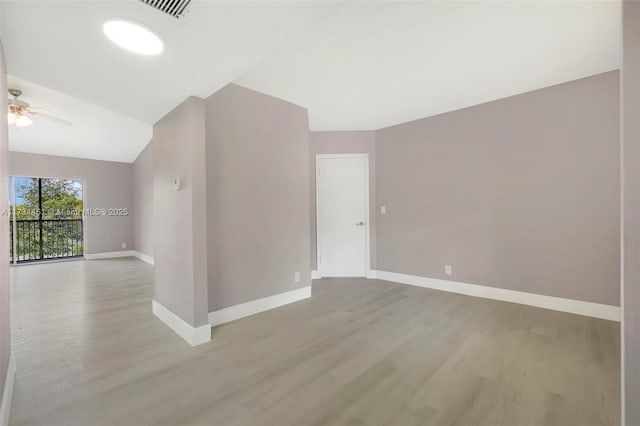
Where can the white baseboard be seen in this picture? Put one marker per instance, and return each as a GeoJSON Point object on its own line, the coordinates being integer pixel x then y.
{"type": "Point", "coordinates": [109, 254]}
{"type": "Point", "coordinates": [372, 274]}
{"type": "Point", "coordinates": [192, 335]}
{"type": "Point", "coordinates": [122, 253]}
{"type": "Point", "coordinates": [316, 275]}
{"type": "Point", "coordinates": [143, 257]}
{"type": "Point", "coordinates": [242, 310]}
{"type": "Point", "coordinates": [579, 307]}
{"type": "Point", "coordinates": [7, 394]}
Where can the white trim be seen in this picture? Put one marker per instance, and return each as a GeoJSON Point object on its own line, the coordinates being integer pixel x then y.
{"type": "Point", "coordinates": [7, 394]}
{"type": "Point", "coordinates": [315, 275]}
{"type": "Point", "coordinates": [242, 310]}
{"type": "Point", "coordinates": [143, 257]}
{"type": "Point", "coordinates": [579, 307]}
{"type": "Point", "coordinates": [367, 224]}
{"type": "Point", "coordinates": [192, 335]}
{"type": "Point", "coordinates": [109, 254]}
{"type": "Point", "coordinates": [13, 213]}
{"type": "Point", "coordinates": [41, 261]}
{"type": "Point", "coordinates": [372, 274]}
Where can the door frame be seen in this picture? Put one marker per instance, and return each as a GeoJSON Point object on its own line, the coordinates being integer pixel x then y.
{"type": "Point", "coordinates": [367, 221]}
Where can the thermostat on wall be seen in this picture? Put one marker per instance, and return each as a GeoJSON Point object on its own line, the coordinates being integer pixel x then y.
{"type": "Point", "coordinates": [177, 183]}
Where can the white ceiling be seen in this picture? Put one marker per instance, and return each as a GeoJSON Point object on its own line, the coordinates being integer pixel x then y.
{"type": "Point", "coordinates": [356, 65]}
{"type": "Point", "coordinates": [60, 45]}
{"type": "Point", "coordinates": [375, 64]}
{"type": "Point", "coordinates": [95, 132]}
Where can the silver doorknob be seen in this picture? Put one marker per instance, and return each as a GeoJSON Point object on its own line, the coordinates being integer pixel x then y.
{"type": "Point", "coordinates": [360, 224]}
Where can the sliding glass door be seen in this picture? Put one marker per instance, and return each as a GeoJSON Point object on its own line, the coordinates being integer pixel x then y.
{"type": "Point", "coordinates": [45, 218]}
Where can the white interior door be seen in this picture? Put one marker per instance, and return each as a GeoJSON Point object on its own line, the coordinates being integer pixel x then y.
{"type": "Point", "coordinates": [342, 197]}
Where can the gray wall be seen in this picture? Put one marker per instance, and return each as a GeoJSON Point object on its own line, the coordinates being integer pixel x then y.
{"type": "Point", "coordinates": [520, 193]}
{"type": "Point", "coordinates": [180, 226]}
{"type": "Point", "coordinates": [107, 185]}
{"type": "Point", "coordinates": [258, 196]}
{"type": "Point", "coordinates": [5, 317]}
{"type": "Point", "coordinates": [631, 209]}
{"type": "Point", "coordinates": [142, 174]}
{"type": "Point", "coordinates": [341, 142]}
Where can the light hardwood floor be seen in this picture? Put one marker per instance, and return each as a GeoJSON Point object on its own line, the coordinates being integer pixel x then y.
{"type": "Point", "coordinates": [359, 352]}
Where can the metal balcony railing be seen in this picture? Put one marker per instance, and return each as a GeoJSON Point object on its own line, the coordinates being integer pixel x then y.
{"type": "Point", "coordinates": [40, 239]}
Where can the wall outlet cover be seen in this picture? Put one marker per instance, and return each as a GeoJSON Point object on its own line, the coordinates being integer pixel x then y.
{"type": "Point", "coordinates": [296, 277]}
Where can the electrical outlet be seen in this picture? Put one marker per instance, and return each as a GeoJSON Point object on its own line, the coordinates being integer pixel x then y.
{"type": "Point", "coordinates": [448, 270]}
{"type": "Point", "coordinates": [383, 209]}
{"type": "Point", "coordinates": [296, 277]}
{"type": "Point", "coordinates": [124, 245]}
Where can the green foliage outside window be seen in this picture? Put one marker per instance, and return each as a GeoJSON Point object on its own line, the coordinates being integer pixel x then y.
{"type": "Point", "coordinates": [58, 202]}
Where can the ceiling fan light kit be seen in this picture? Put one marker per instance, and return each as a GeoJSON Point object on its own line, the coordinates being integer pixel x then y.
{"type": "Point", "coordinates": [23, 121]}
{"type": "Point", "coordinates": [20, 112]}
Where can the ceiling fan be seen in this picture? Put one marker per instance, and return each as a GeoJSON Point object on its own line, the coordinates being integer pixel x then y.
{"type": "Point", "coordinates": [20, 112]}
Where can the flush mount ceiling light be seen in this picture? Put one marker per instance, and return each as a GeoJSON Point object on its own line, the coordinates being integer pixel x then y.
{"type": "Point", "coordinates": [133, 37]}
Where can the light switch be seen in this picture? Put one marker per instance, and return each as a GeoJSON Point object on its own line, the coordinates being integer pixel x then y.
{"type": "Point", "coordinates": [383, 209]}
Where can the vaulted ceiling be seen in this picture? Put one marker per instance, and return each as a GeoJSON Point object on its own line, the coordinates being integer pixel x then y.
{"type": "Point", "coordinates": [375, 64]}
{"type": "Point", "coordinates": [95, 132]}
{"type": "Point", "coordinates": [354, 65]}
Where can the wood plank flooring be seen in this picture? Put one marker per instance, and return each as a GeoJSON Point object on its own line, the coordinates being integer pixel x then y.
{"type": "Point", "coordinates": [359, 352]}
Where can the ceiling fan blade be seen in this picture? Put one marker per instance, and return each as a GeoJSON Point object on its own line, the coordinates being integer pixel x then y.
{"type": "Point", "coordinates": [53, 119]}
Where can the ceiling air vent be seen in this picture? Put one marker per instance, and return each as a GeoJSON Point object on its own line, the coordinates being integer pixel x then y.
{"type": "Point", "coordinates": [175, 8]}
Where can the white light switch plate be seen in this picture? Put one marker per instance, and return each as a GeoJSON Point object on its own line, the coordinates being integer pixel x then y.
{"type": "Point", "coordinates": [383, 209]}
